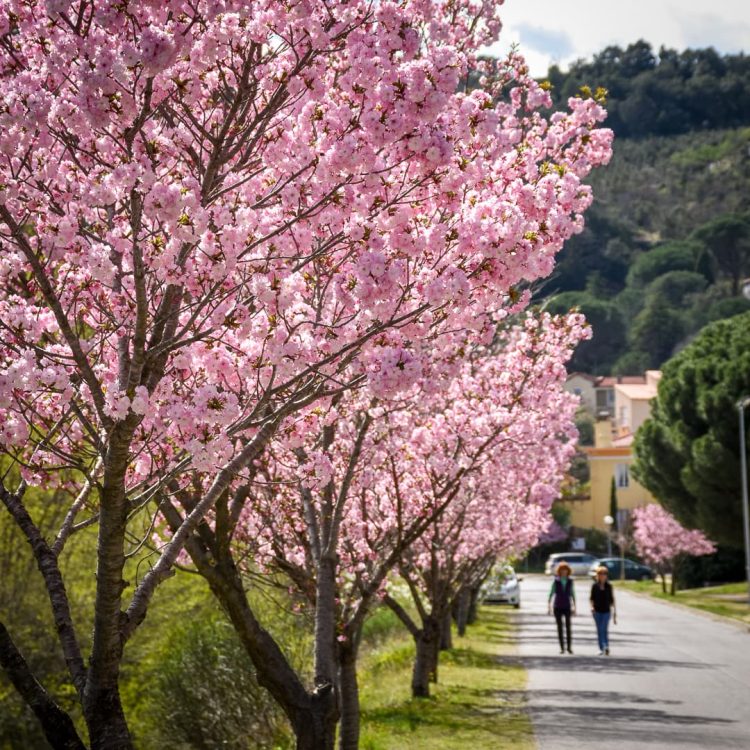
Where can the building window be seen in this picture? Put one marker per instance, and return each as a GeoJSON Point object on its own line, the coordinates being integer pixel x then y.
{"type": "Point", "coordinates": [622, 475]}
{"type": "Point", "coordinates": [577, 391]}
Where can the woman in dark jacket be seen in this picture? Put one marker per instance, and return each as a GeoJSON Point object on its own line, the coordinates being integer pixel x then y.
{"type": "Point", "coordinates": [564, 605]}
{"type": "Point", "coordinates": [602, 601]}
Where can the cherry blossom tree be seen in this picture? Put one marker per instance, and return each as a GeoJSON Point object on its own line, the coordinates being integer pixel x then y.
{"type": "Point", "coordinates": [215, 214]}
{"type": "Point", "coordinates": [500, 513]}
{"type": "Point", "coordinates": [662, 541]}
{"type": "Point", "coordinates": [348, 489]}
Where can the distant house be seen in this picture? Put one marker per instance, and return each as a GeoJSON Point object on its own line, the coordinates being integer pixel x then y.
{"type": "Point", "coordinates": [597, 392]}
{"type": "Point", "coordinates": [606, 388]}
{"type": "Point", "coordinates": [633, 403]}
{"type": "Point", "coordinates": [622, 407]}
{"type": "Point", "coordinates": [583, 385]}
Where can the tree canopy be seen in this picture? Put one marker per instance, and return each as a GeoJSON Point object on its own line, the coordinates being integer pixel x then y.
{"type": "Point", "coordinates": [608, 329]}
{"type": "Point", "coordinates": [665, 92]}
{"type": "Point", "coordinates": [687, 453]}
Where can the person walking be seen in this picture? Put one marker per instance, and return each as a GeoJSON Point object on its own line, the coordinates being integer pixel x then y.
{"type": "Point", "coordinates": [562, 602]}
{"type": "Point", "coordinates": [602, 601]}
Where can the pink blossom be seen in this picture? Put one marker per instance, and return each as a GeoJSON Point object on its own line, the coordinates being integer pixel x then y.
{"type": "Point", "coordinates": [659, 537]}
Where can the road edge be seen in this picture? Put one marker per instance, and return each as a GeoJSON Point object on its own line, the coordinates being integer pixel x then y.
{"type": "Point", "coordinates": [743, 626]}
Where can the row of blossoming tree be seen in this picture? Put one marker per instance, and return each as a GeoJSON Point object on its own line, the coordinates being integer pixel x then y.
{"type": "Point", "coordinates": [258, 266]}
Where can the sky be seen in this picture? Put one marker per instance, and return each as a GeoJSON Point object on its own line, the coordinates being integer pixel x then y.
{"type": "Point", "coordinates": [561, 31]}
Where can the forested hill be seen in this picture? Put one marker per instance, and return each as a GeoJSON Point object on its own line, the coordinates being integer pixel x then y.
{"type": "Point", "coordinates": [667, 241]}
{"type": "Point", "coordinates": [664, 93]}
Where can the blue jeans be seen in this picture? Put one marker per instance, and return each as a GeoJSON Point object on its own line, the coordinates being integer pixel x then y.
{"type": "Point", "coordinates": [602, 625]}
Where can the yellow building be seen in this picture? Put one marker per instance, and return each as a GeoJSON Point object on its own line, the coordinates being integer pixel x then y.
{"type": "Point", "coordinates": [612, 456]}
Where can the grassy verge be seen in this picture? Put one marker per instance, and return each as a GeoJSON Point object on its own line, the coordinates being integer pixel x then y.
{"type": "Point", "coordinates": [729, 600]}
{"type": "Point", "coordinates": [478, 702]}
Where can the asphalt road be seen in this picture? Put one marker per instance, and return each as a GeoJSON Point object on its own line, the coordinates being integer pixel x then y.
{"type": "Point", "coordinates": [674, 679]}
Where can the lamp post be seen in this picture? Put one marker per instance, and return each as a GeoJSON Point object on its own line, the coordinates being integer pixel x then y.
{"type": "Point", "coordinates": [741, 404]}
{"type": "Point", "coordinates": [608, 521]}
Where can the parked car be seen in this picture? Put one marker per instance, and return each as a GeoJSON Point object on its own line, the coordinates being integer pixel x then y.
{"type": "Point", "coordinates": [580, 562]}
{"type": "Point", "coordinates": [633, 571]}
{"type": "Point", "coordinates": [502, 587]}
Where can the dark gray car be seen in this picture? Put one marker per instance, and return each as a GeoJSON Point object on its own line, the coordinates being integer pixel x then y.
{"type": "Point", "coordinates": [633, 571]}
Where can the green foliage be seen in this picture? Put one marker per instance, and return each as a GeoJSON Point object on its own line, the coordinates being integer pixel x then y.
{"type": "Point", "coordinates": [726, 564]}
{"type": "Point", "coordinates": [728, 308]}
{"type": "Point", "coordinates": [663, 259]}
{"type": "Point", "coordinates": [381, 626]}
{"type": "Point", "coordinates": [203, 694]}
{"type": "Point", "coordinates": [658, 211]}
{"type": "Point", "coordinates": [656, 331]}
{"type": "Point", "coordinates": [687, 454]}
{"type": "Point", "coordinates": [585, 427]}
{"type": "Point", "coordinates": [676, 288]}
{"type": "Point", "coordinates": [728, 239]}
{"type": "Point", "coordinates": [561, 515]}
{"type": "Point", "coordinates": [631, 363]}
{"type": "Point", "coordinates": [186, 656]}
{"type": "Point", "coordinates": [596, 541]}
{"type": "Point", "coordinates": [602, 248]}
{"type": "Point", "coordinates": [665, 94]}
{"type": "Point", "coordinates": [579, 470]}
{"type": "Point", "coordinates": [607, 326]}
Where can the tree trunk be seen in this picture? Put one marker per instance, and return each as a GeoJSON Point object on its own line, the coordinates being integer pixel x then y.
{"type": "Point", "coordinates": [471, 617]}
{"type": "Point", "coordinates": [324, 706]}
{"type": "Point", "coordinates": [315, 728]}
{"type": "Point", "coordinates": [349, 698]}
{"type": "Point", "coordinates": [102, 707]}
{"type": "Point", "coordinates": [463, 605]}
{"type": "Point", "coordinates": [426, 659]}
{"type": "Point", "coordinates": [325, 624]}
{"type": "Point", "coordinates": [446, 632]}
{"type": "Point", "coordinates": [313, 716]}
{"type": "Point", "coordinates": [105, 720]}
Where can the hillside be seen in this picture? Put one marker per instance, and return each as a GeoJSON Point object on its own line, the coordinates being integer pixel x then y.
{"type": "Point", "coordinates": [667, 241]}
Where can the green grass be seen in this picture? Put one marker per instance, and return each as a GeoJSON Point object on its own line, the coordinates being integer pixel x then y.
{"type": "Point", "coordinates": [729, 600]}
{"type": "Point", "coordinates": [478, 702]}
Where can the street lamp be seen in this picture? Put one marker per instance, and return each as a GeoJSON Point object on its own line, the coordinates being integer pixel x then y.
{"type": "Point", "coordinates": [741, 404]}
{"type": "Point", "coordinates": [608, 522]}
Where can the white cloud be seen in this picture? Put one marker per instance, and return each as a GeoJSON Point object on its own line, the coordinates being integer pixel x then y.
{"type": "Point", "coordinates": [563, 30]}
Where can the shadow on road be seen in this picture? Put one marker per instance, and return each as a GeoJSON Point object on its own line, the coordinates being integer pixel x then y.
{"type": "Point", "coordinates": [610, 725]}
{"type": "Point", "coordinates": [609, 664]}
{"type": "Point", "coordinates": [582, 696]}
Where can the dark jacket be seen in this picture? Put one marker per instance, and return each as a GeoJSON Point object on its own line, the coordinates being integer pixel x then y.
{"type": "Point", "coordinates": [602, 598]}
{"type": "Point", "coordinates": [563, 593]}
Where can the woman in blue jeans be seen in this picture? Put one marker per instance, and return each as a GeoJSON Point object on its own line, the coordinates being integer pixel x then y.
{"type": "Point", "coordinates": [602, 605]}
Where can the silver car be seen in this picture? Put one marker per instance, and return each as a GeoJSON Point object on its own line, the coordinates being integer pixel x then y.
{"type": "Point", "coordinates": [580, 562]}
{"type": "Point", "coordinates": [502, 587]}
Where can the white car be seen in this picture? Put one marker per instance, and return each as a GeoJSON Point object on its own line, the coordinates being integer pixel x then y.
{"type": "Point", "coordinates": [502, 587]}
{"type": "Point", "coordinates": [580, 562]}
